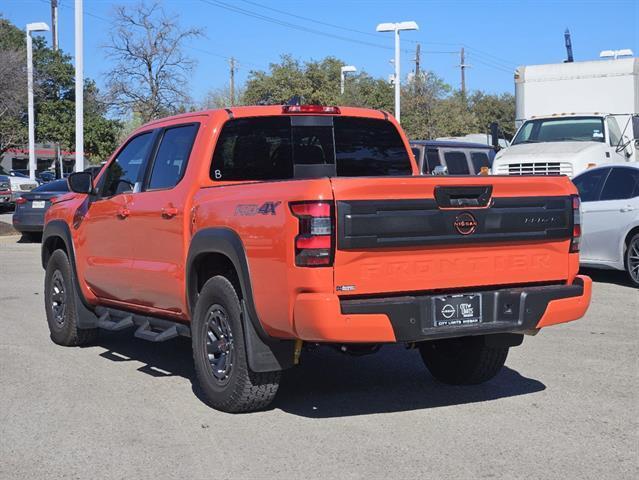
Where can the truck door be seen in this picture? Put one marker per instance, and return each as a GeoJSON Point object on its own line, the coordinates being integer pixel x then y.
{"type": "Point", "coordinates": [158, 218]}
{"type": "Point", "coordinates": [616, 141]}
{"type": "Point", "coordinates": [105, 261]}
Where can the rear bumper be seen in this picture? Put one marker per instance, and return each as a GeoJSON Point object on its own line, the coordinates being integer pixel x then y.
{"type": "Point", "coordinates": [27, 222]}
{"type": "Point", "coordinates": [327, 318]}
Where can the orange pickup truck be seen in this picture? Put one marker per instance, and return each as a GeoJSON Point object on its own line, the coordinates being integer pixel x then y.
{"type": "Point", "coordinates": [254, 230]}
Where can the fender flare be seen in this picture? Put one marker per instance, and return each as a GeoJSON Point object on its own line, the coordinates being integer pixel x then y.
{"type": "Point", "coordinates": [264, 352]}
{"type": "Point", "coordinates": [59, 229]}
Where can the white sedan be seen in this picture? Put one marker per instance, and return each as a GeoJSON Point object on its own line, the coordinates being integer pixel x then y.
{"type": "Point", "coordinates": [610, 218]}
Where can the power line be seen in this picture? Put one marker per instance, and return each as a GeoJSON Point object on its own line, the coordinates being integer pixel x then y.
{"type": "Point", "coordinates": [494, 58]}
{"type": "Point", "coordinates": [197, 49]}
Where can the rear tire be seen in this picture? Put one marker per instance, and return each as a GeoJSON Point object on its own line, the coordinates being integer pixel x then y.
{"type": "Point", "coordinates": [219, 353]}
{"type": "Point", "coordinates": [462, 361]}
{"type": "Point", "coordinates": [59, 297]}
{"type": "Point", "coordinates": [632, 260]}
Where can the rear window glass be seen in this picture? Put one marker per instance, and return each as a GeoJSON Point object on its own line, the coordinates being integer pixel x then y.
{"type": "Point", "coordinates": [267, 148]}
{"type": "Point", "coordinates": [457, 163]}
{"type": "Point", "coordinates": [57, 186]}
{"type": "Point", "coordinates": [432, 159]}
{"type": "Point", "coordinates": [479, 159]}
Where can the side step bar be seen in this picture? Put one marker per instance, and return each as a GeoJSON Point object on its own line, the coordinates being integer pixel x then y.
{"type": "Point", "coordinates": [151, 329]}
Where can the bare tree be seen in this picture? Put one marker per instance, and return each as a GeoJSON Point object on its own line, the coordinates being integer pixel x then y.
{"type": "Point", "coordinates": [151, 71]}
{"type": "Point", "coordinates": [13, 99]}
{"type": "Point", "coordinates": [221, 97]}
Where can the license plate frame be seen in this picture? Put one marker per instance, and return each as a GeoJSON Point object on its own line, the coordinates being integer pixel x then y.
{"type": "Point", "coordinates": [457, 310]}
{"type": "Point", "coordinates": [38, 204]}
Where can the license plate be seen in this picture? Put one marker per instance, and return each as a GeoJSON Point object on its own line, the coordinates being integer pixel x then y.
{"type": "Point", "coordinates": [39, 204]}
{"type": "Point", "coordinates": [454, 310]}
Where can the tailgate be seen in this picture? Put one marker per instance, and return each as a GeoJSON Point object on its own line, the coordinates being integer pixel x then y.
{"type": "Point", "coordinates": [427, 233]}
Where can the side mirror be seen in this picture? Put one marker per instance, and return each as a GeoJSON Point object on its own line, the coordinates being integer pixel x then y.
{"type": "Point", "coordinates": [440, 170]}
{"type": "Point", "coordinates": [80, 182]}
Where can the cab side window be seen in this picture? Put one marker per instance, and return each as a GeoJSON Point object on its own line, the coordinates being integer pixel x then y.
{"type": "Point", "coordinates": [589, 184]}
{"type": "Point", "coordinates": [613, 131]}
{"type": "Point", "coordinates": [123, 172]}
{"type": "Point", "coordinates": [172, 156]}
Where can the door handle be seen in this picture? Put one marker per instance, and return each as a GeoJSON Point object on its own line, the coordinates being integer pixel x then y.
{"type": "Point", "coordinates": [626, 209]}
{"type": "Point", "coordinates": [123, 213]}
{"type": "Point", "coordinates": [169, 212]}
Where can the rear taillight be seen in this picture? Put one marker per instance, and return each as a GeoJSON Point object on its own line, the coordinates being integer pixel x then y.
{"type": "Point", "coordinates": [576, 224]}
{"type": "Point", "coordinates": [314, 242]}
{"type": "Point", "coordinates": [21, 201]}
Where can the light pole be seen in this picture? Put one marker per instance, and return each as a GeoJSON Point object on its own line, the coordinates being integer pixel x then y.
{"type": "Point", "coordinates": [79, 89]}
{"type": "Point", "coordinates": [343, 70]}
{"type": "Point", "coordinates": [32, 27]}
{"type": "Point", "coordinates": [397, 27]}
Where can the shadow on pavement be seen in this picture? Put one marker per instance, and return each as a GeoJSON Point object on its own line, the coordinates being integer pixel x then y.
{"type": "Point", "coordinates": [330, 384]}
{"type": "Point", "coordinates": [615, 277]}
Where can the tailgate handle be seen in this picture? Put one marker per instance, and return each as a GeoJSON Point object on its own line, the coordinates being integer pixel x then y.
{"type": "Point", "coordinates": [462, 197]}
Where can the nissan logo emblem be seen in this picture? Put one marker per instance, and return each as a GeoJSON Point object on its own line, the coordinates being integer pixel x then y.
{"type": "Point", "coordinates": [465, 223]}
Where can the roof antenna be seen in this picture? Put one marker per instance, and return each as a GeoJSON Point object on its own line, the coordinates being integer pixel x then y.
{"type": "Point", "coordinates": [570, 58]}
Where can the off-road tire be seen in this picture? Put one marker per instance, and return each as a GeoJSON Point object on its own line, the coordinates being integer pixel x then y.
{"type": "Point", "coordinates": [242, 390]}
{"type": "Point", "coordinates": [462, 361]}
{"type": "Point", "coordinates": [58, 283]}
{"type": "Point", "coordinates": [632, 251]}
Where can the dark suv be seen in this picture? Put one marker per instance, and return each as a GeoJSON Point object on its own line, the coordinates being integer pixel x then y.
{"type": "Point", "coordinates": [460, 158]}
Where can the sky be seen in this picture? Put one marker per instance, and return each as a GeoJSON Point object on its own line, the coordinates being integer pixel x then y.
{"type": "Point", "coordinates": [497, 36]}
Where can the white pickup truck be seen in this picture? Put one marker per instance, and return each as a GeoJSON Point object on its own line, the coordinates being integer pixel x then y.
{"type": "Point", "coordinates": [572, 116]}
{"type": "Point", "coordinates": [567, 144]}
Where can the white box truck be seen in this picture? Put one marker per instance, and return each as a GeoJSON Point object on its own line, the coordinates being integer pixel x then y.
{"type": "Point", "coordinates": [572, 116]}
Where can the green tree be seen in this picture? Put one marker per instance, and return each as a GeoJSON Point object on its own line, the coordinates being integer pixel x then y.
{"type": "Point", "coordinates": [54, 102]}
{"type": "Point", "coordinates": [494, 108]}
{"type": "Point", "coordinates": [421, 98]}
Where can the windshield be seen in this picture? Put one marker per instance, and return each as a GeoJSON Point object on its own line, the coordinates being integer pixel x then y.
{"type": "Point", "coordinates": [570, 129]}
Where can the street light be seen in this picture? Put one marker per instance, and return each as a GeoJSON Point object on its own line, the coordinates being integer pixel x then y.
{"type": "Point", "coordinates": [397, 27]}
{"type": "Point", "coordinates": [79, 87]}
{"type": "Point", "coordinates": [343, 70]}
{"type": "Point", "coordinates": [32, 27]}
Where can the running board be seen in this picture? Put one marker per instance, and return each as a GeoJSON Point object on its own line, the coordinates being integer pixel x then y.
{"type": "Point", "coordinates": [151, 329]}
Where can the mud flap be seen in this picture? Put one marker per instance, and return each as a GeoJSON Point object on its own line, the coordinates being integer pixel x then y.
{"type": "Point", "coordinates": [265, 355]}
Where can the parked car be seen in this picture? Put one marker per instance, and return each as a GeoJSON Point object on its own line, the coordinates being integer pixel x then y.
{"type": "Point", "coordinates": [306, 223]}
{"type": "Point", "coordinates": [32, 206]}
{"type": "Point", "coordinates": [5, 192]}
{"type": "Point", "coordinates": [19, 184]}
{"type": "Point", "coordinates": [460, 158]}
{"type": "Point", "coordinates": [46, 177]}
{"type": "Point", "coordinates": [610, 218]}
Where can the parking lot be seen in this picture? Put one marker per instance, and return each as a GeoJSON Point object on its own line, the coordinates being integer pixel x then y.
{"type": "Point", "coordinates": [567, 405]}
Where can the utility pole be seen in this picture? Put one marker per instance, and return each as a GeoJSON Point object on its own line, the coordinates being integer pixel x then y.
{"type": "Point", "coordinates": [54, 24]}
{"type": "Point", "coordinates": [417, 60]}
{"type": "Point", "coordinates": [232, 83]}
{"type": "Point", "coordinates": [463, 68]}
{"type": "Point", "coordinates": [57, 162]}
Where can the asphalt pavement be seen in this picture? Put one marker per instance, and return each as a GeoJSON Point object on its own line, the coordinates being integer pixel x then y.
{"type": "Point", "coordinates": [565, 406]}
